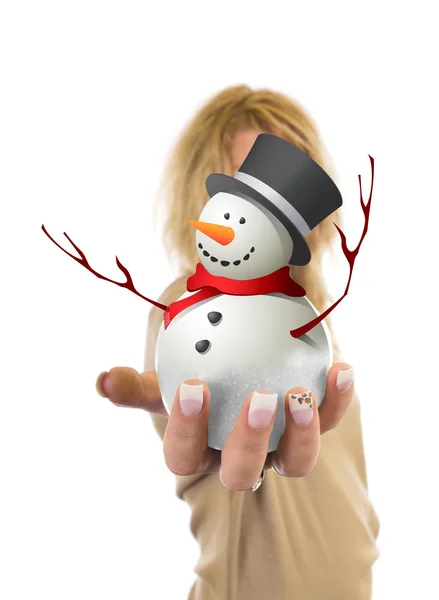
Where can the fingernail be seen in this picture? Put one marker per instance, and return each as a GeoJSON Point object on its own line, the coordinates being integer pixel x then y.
{"type": "Point", "coordinates": [301, 407]}
{"type": "Point", "coordinates": [262, 407]}
{"type": "Point", "coordinates": [99, 384]}
{"type": "Point", "coordinates": [345, 379]}
{"type": "Point", "coordinates": [191, 398]}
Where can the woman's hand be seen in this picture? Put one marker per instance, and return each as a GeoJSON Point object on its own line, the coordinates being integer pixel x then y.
{"type": "Point", "coordinates": [244, 454]}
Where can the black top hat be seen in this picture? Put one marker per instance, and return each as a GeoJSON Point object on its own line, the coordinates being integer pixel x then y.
{"type": "Point", "coordinates": [286, 181]}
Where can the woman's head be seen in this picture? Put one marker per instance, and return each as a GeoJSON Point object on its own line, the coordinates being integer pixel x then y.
{"type": "Point", "coordinates": [217, 140]}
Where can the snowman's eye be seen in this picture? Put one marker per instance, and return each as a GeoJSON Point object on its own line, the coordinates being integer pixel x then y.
{"type": "Point", "coordinates": [242, 220]}
{"type": "Point", "coordinates": [227, 216]}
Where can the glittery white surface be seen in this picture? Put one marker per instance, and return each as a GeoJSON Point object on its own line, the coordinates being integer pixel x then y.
{"type": "Point", "coordinates": [251, 349]}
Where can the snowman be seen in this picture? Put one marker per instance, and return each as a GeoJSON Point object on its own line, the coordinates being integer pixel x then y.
{"type": "Point", "coordinates": [244, 324]}
{"type": "Point", "coordinates": [232, 329]}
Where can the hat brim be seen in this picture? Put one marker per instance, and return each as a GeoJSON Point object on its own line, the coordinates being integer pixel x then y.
{"type": "Point", "coordinates": [217, 182]}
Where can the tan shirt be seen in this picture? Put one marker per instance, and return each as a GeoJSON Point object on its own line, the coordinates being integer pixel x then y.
{"type": "Point", "coordinates": [307, 538]}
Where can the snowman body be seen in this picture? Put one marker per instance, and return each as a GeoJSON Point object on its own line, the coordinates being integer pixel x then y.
{"type": "Point", "coordinates": [241, 344]}
{"type": "Point", "coordinates": [252, 227]}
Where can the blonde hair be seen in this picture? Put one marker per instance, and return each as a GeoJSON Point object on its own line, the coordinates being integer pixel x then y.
{"type": "Point", "coordinates": [204, 148]}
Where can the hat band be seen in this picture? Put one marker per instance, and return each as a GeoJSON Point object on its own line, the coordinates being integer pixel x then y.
{"type": "Point", "coordinates": [275, 198]}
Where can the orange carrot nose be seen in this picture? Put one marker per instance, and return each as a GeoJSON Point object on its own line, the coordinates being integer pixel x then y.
{"type": "Point", "coordinates": [220, 233]}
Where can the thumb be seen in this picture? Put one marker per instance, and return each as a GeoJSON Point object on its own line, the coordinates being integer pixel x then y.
{"type": "Point", "coordinates": [125, 386]}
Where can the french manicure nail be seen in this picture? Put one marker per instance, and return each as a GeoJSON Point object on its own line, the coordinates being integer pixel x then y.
{"type": "Point", "coordinates": [99, 381]}
{"type": "Point", "coordinates": [345, 379]}
{"type": "Point", "coordinates": [262, 407]}
{"type": "Point", "coordinates": [191, 398]}
{"type": "Point", "coordinates": [301, 407]}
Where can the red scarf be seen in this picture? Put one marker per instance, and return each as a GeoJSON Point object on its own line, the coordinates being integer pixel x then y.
{"type": "Point", "coordinates": [211, 285]}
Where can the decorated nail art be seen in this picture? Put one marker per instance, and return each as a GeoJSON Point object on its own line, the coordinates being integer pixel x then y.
{"type": "Point", "coordinates": [302, 407]}
{"type": "Point", "coordinates": [191, 399]}
{"type": "Point", "coordinates": [261, 409]}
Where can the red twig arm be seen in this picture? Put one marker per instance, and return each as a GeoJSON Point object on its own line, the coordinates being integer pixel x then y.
{"type": "Point", "coordinates": [128, 284]}
{"type": "Point", "coordinates": [350, 255]}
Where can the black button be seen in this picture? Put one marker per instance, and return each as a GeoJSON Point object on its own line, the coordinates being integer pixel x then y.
{"type": "Point", "coordinates": [202, 346]}
{"type": "Point", "coordinates": [214, 317]}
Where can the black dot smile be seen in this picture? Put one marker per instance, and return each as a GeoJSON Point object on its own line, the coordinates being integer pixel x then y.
{"type": "Point", "coordinates": [226, 263]}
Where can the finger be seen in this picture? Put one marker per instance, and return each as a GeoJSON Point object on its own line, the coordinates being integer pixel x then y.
{"type": "Point", "coordinates": [298, 449]}
{"type": "Point", "coordinates": [245, 449]}
{"type": "Point", "coordinates": [124, 386]}
{"type": "Point", "coordinates": [338, 397]}
{"type": "Point", "coordinates": [185, 441]}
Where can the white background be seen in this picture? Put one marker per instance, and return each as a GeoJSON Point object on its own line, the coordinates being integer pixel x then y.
{"type": "Point", "coordinates": [93, 96]}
